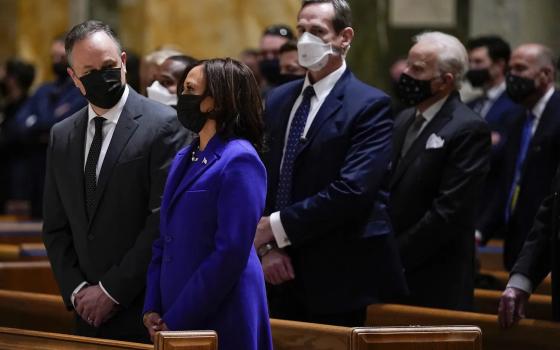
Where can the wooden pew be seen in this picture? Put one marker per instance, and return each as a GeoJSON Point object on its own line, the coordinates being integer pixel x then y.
{"type": "Point", "coordinates": [11, 338]}
{"type": "Point", "coordinates": [539, 307]}
{"type": "Point", "coordinates": [528, 334]}
{"type": "Point", "coordinates": [20, 232]}
{"type": "Point", "coordinates": [491, 255]}
{"type": "Point", "coordinates": [292, 335]}
{"type": "Point", "coordinates": [22, 252]}
{"type": "Point", "coordinates": [503, 276]}
{"type": "Point", "coordinates": [28, 276]}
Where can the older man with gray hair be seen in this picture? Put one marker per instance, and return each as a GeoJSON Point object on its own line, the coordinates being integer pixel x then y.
{"type": "Point", "coordinates": [440, 159]}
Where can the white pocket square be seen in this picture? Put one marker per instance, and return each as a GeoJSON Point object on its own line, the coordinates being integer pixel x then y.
{"type": "Point", "coordinates": [434, 141]}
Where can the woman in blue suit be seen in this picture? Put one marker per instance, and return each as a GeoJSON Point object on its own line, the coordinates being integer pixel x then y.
{"type": "Point", "coordinates": [204, 272]}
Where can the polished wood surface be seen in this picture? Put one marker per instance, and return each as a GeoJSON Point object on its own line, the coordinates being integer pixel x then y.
{"type": "Point", "coordinates": [503, 276]}
{"type": "Point", "coordinates": [28, 276]}
{"type": "Point", "coordinates": [539, 307]}
{"type": "Point", "coordinates": [293, 335]}
{"type": "Point", "coordinates": [528, 334]}
{"type": "Point", "coordinates": [191, 340]}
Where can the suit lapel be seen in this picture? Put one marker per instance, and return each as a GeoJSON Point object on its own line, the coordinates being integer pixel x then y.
{"type": "Point", "coordinates": [400, 134]}
{"type": "Point", "coordinates": [213, 152]}
{"type": "Point", "coordinates": [76, 146]}
{"type": "Point", "coordinates": [419, 144]}
{"type": "Point", "coordinates": [125, 128]}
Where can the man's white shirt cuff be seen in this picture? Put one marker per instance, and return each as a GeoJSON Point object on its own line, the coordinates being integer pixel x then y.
{"type": "Point", "coordinates": [78, 288]}
{"type": "Point", "coordinates": [278, 231]}
{"type": "Point", "coordinates": [107, 293]}
{"type": "Point", "coordinates": [519, 281]}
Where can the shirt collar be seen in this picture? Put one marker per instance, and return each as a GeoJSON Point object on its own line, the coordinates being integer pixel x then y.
{"type": "Point", "coordinates": [112, 114]}
{"type": "Point", "coordinates": [496, 91]}
{"type": "Point", "coordinates": [538, 109]}
{"type": "Point", "coordinates": [431, 111]}
{"type": "Point", "coordinates": [325, 85]}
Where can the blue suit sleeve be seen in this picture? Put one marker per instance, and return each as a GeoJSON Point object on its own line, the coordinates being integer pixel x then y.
{"type": "Point", "coordinates": [240, 205]}
{"type": "Point", "coordinates": [350, 196]}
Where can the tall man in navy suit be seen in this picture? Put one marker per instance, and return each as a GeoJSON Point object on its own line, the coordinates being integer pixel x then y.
{"type": "Point", "coordinates": [532, 148]}
{"type": "Point", "coordinates": [326, 241]}
{"type": "Point", "coordinates": [441, 157]}
{"type": "Point", "coordinates": [488, 63]}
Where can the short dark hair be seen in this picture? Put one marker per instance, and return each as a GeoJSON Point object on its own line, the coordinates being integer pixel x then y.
{"type": "Point", "coordinates": [238, 107]}
{"type": "Point", "coordinates": [498, 48]}
{"type": "Point", "coordinates": [85, 29]}
{"type": "Point", "coordinates": [288, 46]}
{"type": "Point", "coordinates": [279, 30]}
{"type": "Point", "coordinates": [22, 71]}
{"type": "Point", "coordinates": [342, 12]}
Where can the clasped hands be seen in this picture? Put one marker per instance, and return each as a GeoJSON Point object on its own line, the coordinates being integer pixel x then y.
{"type": "Point", "coordinates": [94, 306]}
{"type": "Point", "coordinates": [154, 323]}
{"type": "Point", "coordinates": [276, 264]}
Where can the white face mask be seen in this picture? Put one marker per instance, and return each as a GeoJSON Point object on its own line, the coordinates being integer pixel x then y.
{"type": "Point", "coordinates": [313, 53]}
{"type": "Point", "coordinates": [158, 92]}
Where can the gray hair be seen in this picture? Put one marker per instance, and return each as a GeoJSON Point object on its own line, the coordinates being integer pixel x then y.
{"type": "Point", "coordinates": [452, 56]}
{"type": "Point", "coordinates": [85, 29]}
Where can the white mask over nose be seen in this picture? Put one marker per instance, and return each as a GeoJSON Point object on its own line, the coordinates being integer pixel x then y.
{"type": "Point", "coordinates": [158, 92]}
{"type": "Point", "coordinates": [313, 53]}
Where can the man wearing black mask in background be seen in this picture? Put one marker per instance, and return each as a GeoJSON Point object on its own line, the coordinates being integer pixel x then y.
{"type": "Point", "coordinates": [532, 149]}
{"type": "Point", "coordinates": [52, 102]}
{"type": "Point", "coordinates": [488, 63]}
{"type": "Point", "coordinates": [106, 168]}
{"type": "Point", "coordinates": [16, 77]}
{"type": "Point", "coordinates": [272, 39]}
{"type": "Point", "coordinates": [290, 69]}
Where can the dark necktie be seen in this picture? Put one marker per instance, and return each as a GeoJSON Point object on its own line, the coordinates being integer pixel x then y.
{"type": "Point", "coordinates": [526, 136]}
{"type": "Point", "coordinates": [91, 165]}
{"type": "Point", "coordinates": [284, 192]}
{"type": "Point", "coordinates": [479, 105]}
{"type": "Point", "coordinates": [412, 133]}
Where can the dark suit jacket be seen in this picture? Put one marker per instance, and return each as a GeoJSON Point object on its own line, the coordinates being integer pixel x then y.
{"type": "Point", "coordinates": [500, 118]}
{"type": "Point", "coordinates": [114, 246]}
{"type": "Point", "coordinates": [541, 162]}
{"type": "Point", "coordinates": [433, 202]}
{"type": "Point", "coordinates": [343, 249]}
{"type": "Point", "coordinates": [540, 254]}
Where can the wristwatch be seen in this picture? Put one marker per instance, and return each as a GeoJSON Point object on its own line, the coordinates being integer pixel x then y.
{"type": "Point", "coordinates": [265, 249]}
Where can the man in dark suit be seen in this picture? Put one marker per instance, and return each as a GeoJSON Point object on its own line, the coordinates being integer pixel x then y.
{"type": "Point", "coordinates": [326, 244]}
{"type": "Point", "coordinates": [106, 168]}
{"type": "Point", "coordinates": [532, 83]}
{"type": "Point", "coordinates": [532, 149]}
{"type": "Point", "coordinates": [488, 63]}
{"type": "Point", "coordinates": [441, 155]}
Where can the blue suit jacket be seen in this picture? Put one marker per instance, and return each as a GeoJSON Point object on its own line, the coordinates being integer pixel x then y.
{"type": "Point", "coordinates": [204, 272]}
{"type": "Point", "coordinates": [339, 199]}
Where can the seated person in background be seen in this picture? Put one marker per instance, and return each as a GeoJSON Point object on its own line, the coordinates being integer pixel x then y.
{"type": "Point", "coordinates": [205, 273]}
{"type": "Point", "coordinates": [164, 88]}
{"type": "Point", "coordinates": [290, 69]}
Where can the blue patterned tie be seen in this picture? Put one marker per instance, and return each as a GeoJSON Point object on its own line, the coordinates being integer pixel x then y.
{"type": "Point", "coordinates": [526, 136]}
{"type": "Point", "coordinates": [284, 192]}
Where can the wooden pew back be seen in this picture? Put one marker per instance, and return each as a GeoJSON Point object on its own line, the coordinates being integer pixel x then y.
{"type": "Point", "coordinates": [28, 276]}
{"type": "Point", "coordinates": [539, 307]}
{"type": "Point", "coordinates": [528, 334]}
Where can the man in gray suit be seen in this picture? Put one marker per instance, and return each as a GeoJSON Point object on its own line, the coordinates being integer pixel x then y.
{"type": "Point", "coordinates": [106, 168]}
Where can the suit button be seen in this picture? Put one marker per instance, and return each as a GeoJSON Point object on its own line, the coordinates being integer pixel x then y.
{"type": "Point", "coordinates": [91, 237]}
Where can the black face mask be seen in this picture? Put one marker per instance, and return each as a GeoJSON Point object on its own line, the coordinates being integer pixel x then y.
{"type": "Point", "coordinates": [286, 78]}
{"type": "Point", "coordinates": [189, 113]}
{"type": "Point", "coordinates": [519, 88]}
{"type": "Point", "coordinates": [59, 69]}
{"type": "Point", "coordinates": [413, 91]}
{"type": "Point", "coordinates": [270, 70]}
{"type": "Point", "coordinates": [478, 77]}
{"type": "Point", "coordinates": [104, 87]}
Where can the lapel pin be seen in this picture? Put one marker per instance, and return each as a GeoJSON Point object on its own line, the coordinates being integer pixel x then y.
{"type": "Point", "coordinates": [204, 161]}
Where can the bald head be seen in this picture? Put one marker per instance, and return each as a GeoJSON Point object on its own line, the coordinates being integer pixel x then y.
{"type": "Point", "coordinates": [533, 57]}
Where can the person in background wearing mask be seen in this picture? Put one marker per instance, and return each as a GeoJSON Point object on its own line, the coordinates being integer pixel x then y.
{"type": "Point", "coordinates": [441, 155]}
{"type": "Point", "coordinates": [51, 103]}
{"type": "Point", "coordinates": [488, 64]}
{"type": "Point", "coordinates": [16, 77]}
{"type": "Point", "coordinates": [531, 83]}
{"type": "Point", "coordinates": [329, 140]}
{"type": "Point", "coordinates": [272, 39]}
{"type": "Point", "coordinates": [395, 72]}
{"type": "Point", "coordinates": [532, 149]}
{"type": "Point", "coordinates": [106, 168]}
{"type": "Point", "coordinates": [150, 65]}
{"type": "Point", "coordinates": [164, 88]}
{"type": "Point", "coordinates": [205, 273]}
{"type": "Point", "coordinates": [250, 58]}
{"type": "Point", "coordinates": [290, 69]}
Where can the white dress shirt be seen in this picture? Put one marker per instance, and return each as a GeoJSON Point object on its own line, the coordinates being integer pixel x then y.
{"type": "Point", "coordinates": [431, 112]}
{"type": "Point", "coordinates": [322, 89]}
{"type": "Point", "coordinates": [112, 117]}
{"type": "Point", "coordinates": [491, 96]}
{"type": "Point", "coordinates": [518, 280]}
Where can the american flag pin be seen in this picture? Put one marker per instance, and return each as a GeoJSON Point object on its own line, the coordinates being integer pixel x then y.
{"type": "Point", "coordinates": [204, 161]}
